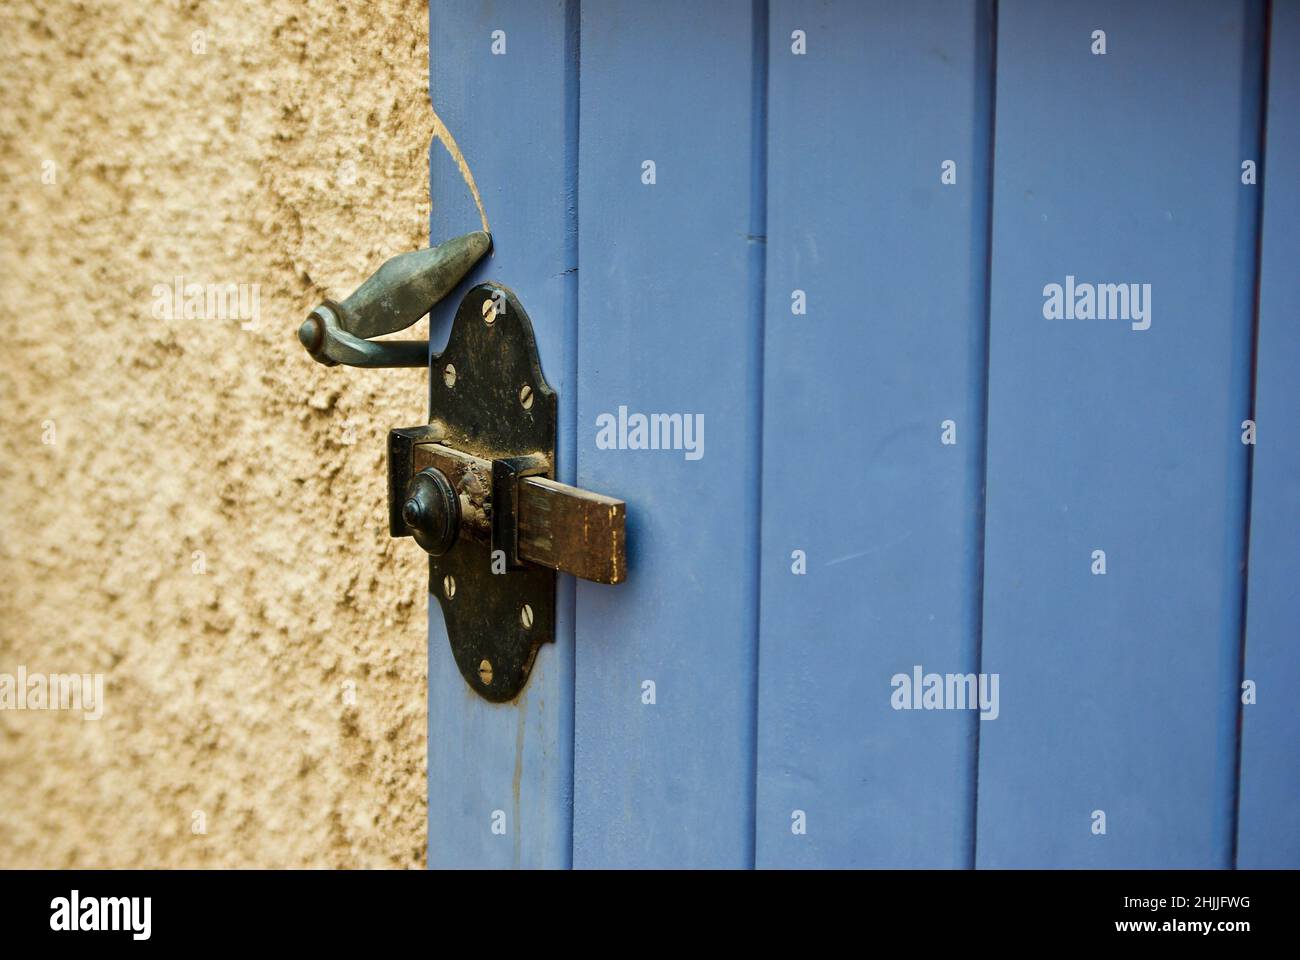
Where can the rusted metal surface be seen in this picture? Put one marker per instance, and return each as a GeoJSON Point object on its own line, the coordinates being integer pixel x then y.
{"type": "Point", "coordinates": [507, 472]}
{"type": "Point", "coordinates": [572, 530]}
{"type": "Point", "coordinates": [561, 527]}
{"type": "Point", "coordinates": [471, 476]}
{"type": "Point", "coordinates": [401, 447]}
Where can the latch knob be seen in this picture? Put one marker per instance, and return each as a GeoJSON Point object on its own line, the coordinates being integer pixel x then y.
{"type": "Point", "coordinates": [432, 511]}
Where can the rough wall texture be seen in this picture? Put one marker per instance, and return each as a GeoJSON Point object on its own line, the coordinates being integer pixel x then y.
{"type": "Point", "coordinates": [284, 146]}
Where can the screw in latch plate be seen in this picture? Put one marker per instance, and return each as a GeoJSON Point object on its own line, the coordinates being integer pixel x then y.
{"type": "Point", "coordinates": [526, 616]}
{"type": "Point", "coordinates": [449, 375]}
{"type": "Point", "coordinates": [449, 586]}
{"type": "Point", "coordinates": [526, 396]}
{"type": "Point", "coordinates": [485, 672]}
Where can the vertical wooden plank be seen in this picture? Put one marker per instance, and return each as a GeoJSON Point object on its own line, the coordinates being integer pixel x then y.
{"type": "Point", "coordinates": [1269, 819]}
{"type": "Point", "coordinates": [665, 327]}
{"type": "Point", "coordinates": [1118, 689]}
{"type": "Point", "coordinates": [857, 476]}
{"type": "Point", "coordinates": [513, 115]}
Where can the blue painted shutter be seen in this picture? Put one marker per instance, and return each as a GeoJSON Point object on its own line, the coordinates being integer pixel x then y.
{"type": "Point", "coordinates": [855, 471]}
{"type": "Point", "coordinates": [821, 172]}
{"type": "Point", "coordinates": [666, 326]}
{"type": "Point", "coordinates": [1117, 690]}
{"type": "Point", "coordinates": [511, 116]}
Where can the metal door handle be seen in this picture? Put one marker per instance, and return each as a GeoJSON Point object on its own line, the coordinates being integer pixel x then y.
{"type": "Point", "coordinates": [399, 293]}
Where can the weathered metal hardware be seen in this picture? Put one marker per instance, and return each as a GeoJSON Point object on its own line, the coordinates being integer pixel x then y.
{"type": "Point", "coordinates": [399, 293]}
{"type": "Point", "coordinates": [475, 486]}
{"type": "Point", "coordinates": [432, 511]}
{"type": "Point", "coordinates": [557, 526]}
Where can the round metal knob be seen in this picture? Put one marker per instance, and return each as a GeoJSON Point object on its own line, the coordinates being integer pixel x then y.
{"type": "Point", "coordinates": [432, 511]}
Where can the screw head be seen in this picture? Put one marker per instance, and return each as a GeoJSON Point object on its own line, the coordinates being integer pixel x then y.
{"type": "Point", "coordinates": [449, 375]}
{"type": "Point", "coordinates": [485, 672]}
{"type": "Point", "coordinates": [449, 586]}
{"type": "Point", "coordinates": [526, 616]}
{"type": "Point", "coordinates": [526, 396]}
{"type": "Point", "coordinates": [490, 310]}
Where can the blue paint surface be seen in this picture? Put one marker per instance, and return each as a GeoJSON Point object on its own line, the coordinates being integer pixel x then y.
{"type": "Point", "coordinates": [855, 473]}
{"type": "Point", "coordinates": [1269, 818]}
{"type": "Point", "coordinates": [509, 115]}
{"type": "Point", "coordinates": [665, 327]}
{"type": "Point", "coordinates": [776, 172]}
{"type": "Point", "coordinates": [1117, 691]}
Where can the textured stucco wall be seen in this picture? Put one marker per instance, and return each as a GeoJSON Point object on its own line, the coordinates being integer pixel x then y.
{"type": "Point", "coordinates": [291, 154]}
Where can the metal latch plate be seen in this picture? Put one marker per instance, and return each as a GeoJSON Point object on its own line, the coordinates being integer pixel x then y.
{"type": "Point", "coordinates": [489, 400]}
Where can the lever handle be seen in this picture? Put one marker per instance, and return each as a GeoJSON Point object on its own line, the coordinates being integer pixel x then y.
{"type": "Point", "coordinates": [396, 295]}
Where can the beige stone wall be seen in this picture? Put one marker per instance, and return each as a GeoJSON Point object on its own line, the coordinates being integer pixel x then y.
{"type": "Point", "coordinates": [224, 690]}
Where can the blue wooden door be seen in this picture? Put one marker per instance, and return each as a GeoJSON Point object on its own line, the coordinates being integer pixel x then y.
{"type": "Point", "coordinates": [944, 354]}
